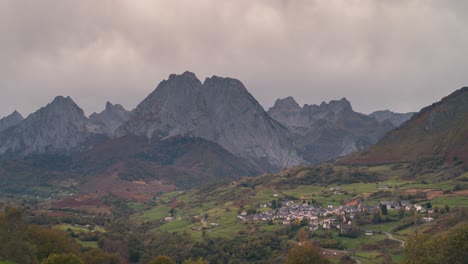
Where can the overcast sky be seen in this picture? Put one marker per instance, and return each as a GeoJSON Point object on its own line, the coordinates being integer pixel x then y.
{"type": "Point", "coordinates": [394, 54]}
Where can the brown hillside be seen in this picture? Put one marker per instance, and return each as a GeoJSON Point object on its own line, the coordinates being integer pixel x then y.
{"type": "Point", "coordinates": [437, 131]}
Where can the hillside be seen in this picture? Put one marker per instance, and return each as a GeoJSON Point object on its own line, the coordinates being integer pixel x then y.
{"type": "Point", "coordinates": [437, 132]}
{"type": "Point", "coordinates": [129, 166]}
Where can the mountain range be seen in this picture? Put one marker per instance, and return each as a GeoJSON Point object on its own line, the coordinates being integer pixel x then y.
{"type": "Point", "coordinates": [188, 129]}
{"type": "Point", "coordinates": [333, 129]}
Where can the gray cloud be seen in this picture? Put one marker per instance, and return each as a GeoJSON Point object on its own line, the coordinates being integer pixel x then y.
{"type": "Point", "coordinates": [380, 54]}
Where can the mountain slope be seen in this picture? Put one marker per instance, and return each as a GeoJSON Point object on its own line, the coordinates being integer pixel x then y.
{"type": "Point", "coordinates": [11, 120]}
{"type": "Point", "coordinates": [59, 126]}
{"type": "Point", "coordinates": [220, 110]}
{"type": "Point", "coordinates": [437, 131]}
{"type": "Point", "coordinates": [328, 130]}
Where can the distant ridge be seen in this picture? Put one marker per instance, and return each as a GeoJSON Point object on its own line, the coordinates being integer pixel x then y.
{"type": "Point", "coordinates": [329, 130]}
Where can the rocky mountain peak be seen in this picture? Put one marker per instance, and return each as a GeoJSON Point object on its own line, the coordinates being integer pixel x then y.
{"type": "Point", "coordinates": [114, 107]}
{"type": "Point", "coordinates": [59, 126]}
{"type": "Point", "coordinates": [16, 115]}
{"type": "Point", "coordinates": [185, 75]}
{"type": "Point", "coordinates": [287, 104]}
{"type": "Point", "coordinates": [61, 100]}
{"type": "Point", "coordinates": [109, 120]}
{"type": "Point", "coordinates": [169, 92]}
{"type": "Point", "coordinates": [328, 130]}
{"type": "Point", "coordinates": [220, 110]}
{"type": "Point", "coordinates": [225, 83]}
{"type": "Point", "coordinates": [63, 106]}
{"type": "Point", "coordinates": [11, 120]}
{"type": "Point", "coordinates": [228, 93]}
{"type": "Point", "coordinates": [109, 106]}
{"type": "Point", "coordinates": [342, 105]}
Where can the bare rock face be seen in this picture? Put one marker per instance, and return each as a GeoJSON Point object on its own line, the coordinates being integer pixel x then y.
{"type": "Point", "coordinates": [240, 124]}
{"type": "Point", "coordinates": [397, 119]}
{"type": "Point", "coordinates": [220, 110]}
{"type": "Point", "coordinates": [174, 108]}
{"type": "Point", "coordinates": [110, 119]}
{"type": "Point", "coordinates": [11, 120]}
{"type": "Point", "coordinates": [59, 126]}
{"type": "Point", "coordinates": [288, 112]}
{"type": "Point", "coordinates": [328, 130]}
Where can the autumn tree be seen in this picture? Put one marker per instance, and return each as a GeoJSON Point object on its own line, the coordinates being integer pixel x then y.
{"type": "Point", "coordinates": [302, 235]}
{"type": "Point", "coordinates": [98, 256]}
{"type": "Point", "coordinates": [51, 241]}
{"type": "Point", "coordinates": [451, 247]}
{"type": "Point", "coordinates": [62, 259]}
{"type": "Point", "coordinates": [305, 253]}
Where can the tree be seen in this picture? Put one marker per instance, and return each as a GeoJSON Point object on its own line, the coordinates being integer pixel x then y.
{"type": "Point", "coordinates": [62, 259]}
{"type": "Point", "coordinates": [172, 211]}
{"type": "Point", "coordinates": [383, 208]}
{"type": "Point", "coordinates": [98, 256]}
{"type": "Point", "coordinates": [306, 253]}
{"type": "Point", "coordinates": [447, 208]}
{"type": "Point", "coordinates": [274, 205]}
{"type": "Point", "coordinates": [52, 241]}
{"type": "Point", "coordinates": [163, 260]}
{"type": "Point", "coordinates": [451, 247]}
{"type": "Point", "coordinates": [302, 235]}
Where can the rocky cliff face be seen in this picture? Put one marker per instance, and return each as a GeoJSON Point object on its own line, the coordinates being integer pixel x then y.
{"type": "Point", "coordinates": [110, 119]}
{"type": "Point", "coordinates": [328, 130]}
{"type": "Point", "coordinates": [220, 110]}
{"type": "Point", "coordinates": [174, 108]}
{"type": "Point", "coordinates": [59, 126]}
{"type": "Point", "coordinates": [11, 120]}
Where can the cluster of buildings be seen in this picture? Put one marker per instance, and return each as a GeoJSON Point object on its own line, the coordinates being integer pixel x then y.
{"type": "Point", "coordinates": [326, 218]}
{"type": "Point", "coordinates": [407, 206]}
{"type": "Point", "coordinates": [317, 216]}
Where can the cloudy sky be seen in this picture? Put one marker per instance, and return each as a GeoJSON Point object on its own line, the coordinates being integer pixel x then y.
{"type": "Point", "coordinates": [389, 54]}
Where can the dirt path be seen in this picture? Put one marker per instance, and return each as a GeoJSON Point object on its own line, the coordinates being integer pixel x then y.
{"type": "Point", "coordinates": [390, 236]}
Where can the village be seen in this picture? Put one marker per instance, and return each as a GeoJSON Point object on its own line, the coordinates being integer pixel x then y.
{"type": "Point", "coordinates": [339, 217]}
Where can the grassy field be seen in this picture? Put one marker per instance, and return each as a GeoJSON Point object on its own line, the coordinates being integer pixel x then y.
{"type": "Point", "coordinates": [174, 226]}
{"type": "Point", "coordinates": [91, 244]}
{"type": "Point", "coordinates": [77, 229]}
{"type": "Point", "coordinates": [155, 213]}
{"type": "Point", "coordinates": [452, 201]}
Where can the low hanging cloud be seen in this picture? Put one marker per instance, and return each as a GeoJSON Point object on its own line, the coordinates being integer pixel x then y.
{"type": "Point", "coordinates": [384, 54]}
